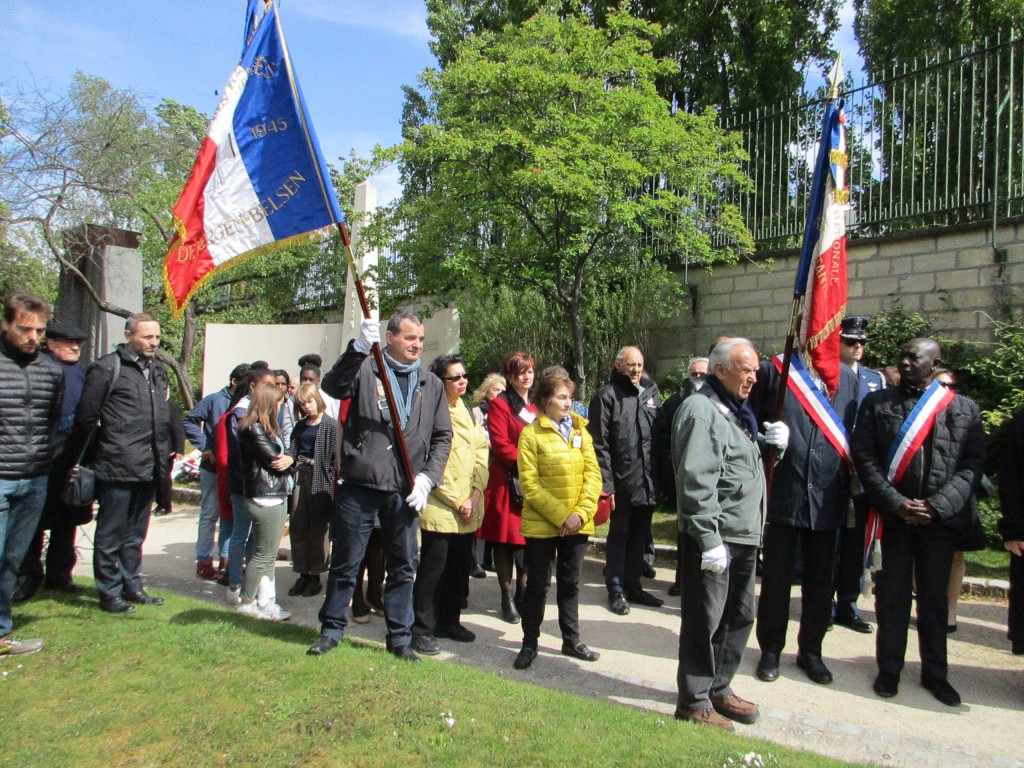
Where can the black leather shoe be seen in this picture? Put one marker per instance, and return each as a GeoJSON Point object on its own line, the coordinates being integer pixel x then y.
{"type": "Point", "coordinates": [580, 651]}
{"type": "Point", "coordinates": [814, 667]}
{"type": "Point", "coordinates": [455, 632]}
{"type": "Point", "coordinates": [405, 653]}
{"type": "Point", "coordinates": [618, 603]}
{"type": "Point", "coordinates": [643, 597]}
{"type": "Point", "coordinates": [768, 667]}
{"type": "Point", "coordinates": [525, 658]}
{"type": "Point", "coordinates": [299, 585]}
{"type": "Point", "coordinates": [141, 598]}
{"type": "Point", "coordinates": [67, 587]}
{"type": "Point", "coordinates": [322, 645]}
{"type": "Point", "coordinates": [117, 605]}
{"type": "Point", "coordinates": [856, 623]}
{"type": "Point", "coordinates": [942, 690]}
{"type": "Point", "coordinates": [313, 587]}
{"type": "Point", "coordinates": [648, 572]}
{"type": "Point", "coordinates": [509, 612]}
{"type": "Point", "coordinates": [25, 588]}
{"type": "Point", "coordinates": [675, 590]}
{"type": "Point", "coordinates": [887, 685]}
{"type": "Point", "coordinates": [478, 572]}
{"type": "Point", "coordinates": [425, 644]}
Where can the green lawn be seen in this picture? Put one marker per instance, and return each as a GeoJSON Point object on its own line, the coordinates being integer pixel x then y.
{"type": "Point", "coordinates": [193, 684]}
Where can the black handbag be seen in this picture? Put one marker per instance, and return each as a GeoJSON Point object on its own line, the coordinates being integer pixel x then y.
{"type": "Point", "coordinates": [515, 490]}
{"type": "Point", "coordinates": [80, 485]}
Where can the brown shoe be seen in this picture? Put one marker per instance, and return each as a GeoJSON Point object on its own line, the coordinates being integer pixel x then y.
{"type": "Point", "coordinates": [705, 717]}
{"type": "Point", "coordinates": [735, 708]}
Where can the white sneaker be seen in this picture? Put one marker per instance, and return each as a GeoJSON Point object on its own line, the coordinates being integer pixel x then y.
{"type": "Point", "coordinates": [234, 596]}
{"type": "Point", "coordinates": [273, 612]}
{"type": "Point", "coordinates": [250, 609]}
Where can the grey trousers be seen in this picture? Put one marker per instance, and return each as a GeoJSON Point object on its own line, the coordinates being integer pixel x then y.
{"type": "Point", "coordinates": [717, 617]}
{"type": "Point", "coordinates": [267, 526]}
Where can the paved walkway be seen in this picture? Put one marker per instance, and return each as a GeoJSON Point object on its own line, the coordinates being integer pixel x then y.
{"type": "Point", "coordinates": [638, 665]}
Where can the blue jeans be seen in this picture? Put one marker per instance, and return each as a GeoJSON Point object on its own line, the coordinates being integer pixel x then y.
{"type": "Point", "coordinates": [21, 506]}
{"type": "Point", "coordinates": [354, 514]}
{"type": "Point", "coordinates": [209, 513]}
{"type": "Point", "coordinates": [239, 548]}
{"type": "Point", "coordinates": [121, 526]}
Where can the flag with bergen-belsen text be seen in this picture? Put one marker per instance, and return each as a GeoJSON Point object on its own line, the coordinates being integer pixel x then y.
{"type": "Point", "coordinates": [260, 182]}
{"type": "Point", "coordinates": [821, 276]}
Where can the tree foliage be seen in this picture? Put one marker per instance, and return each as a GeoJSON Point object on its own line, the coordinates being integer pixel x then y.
{"type": "Point", "coordinates": [734, 55]}
{"type": "Point", "coordinates": [550, 162]}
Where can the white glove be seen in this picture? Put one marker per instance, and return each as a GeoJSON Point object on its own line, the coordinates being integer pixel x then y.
{"type": "Point", "coordinates": [776, 433]}
{"type": "Point", "coordinates": [369, 334]}
{"type": "Point", "coordinates": [420, 490]}
{"type": "Point", "coordinates": [715, 560]}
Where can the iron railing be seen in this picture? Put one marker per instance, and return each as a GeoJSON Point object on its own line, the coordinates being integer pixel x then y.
{"type": "Point", "coordinates": [934, 143]}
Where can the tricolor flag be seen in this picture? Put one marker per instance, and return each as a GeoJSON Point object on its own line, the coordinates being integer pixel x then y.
{"type": "Point", "coordinates": [260, 182]}
{"type": "Point", "coordinates": [821, 276]}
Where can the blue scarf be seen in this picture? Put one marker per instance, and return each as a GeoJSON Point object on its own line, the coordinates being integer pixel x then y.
{"type": "Point", "coordinates": [740, 408]}
{"type": "Point", "coordinates": [392, 368]}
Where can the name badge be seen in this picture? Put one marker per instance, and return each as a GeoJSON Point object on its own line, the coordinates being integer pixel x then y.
{"type": "Point", "coordinates": [527, 416]}
{"type": "Point", "coordinates": [577, 441]}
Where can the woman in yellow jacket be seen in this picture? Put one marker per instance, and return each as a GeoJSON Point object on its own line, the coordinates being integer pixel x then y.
{"type": "Point", "coordinates": [561, 482]}
{"type": "Point", "coordinates": [448, 522]}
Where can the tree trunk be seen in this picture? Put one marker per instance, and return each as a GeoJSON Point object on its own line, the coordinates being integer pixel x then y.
{"type": "Point", "coordinates": [577, 350]}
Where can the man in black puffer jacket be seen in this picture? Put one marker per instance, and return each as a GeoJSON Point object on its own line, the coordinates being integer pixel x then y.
{"type": "Point", "coordinates": [131, 455]}
{"type": "Point", "coordinates": [631, 444]}
{"type": "Point", "coordinates": [31, 392]}
{"type": "Point", "coordinates": [924, 506]}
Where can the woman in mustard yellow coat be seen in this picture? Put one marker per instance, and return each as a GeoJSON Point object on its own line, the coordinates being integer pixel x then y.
{"type": "Point", "coordinates": [561, 482]}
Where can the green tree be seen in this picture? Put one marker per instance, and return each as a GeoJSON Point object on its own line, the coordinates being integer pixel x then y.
{"type": "Point", "coordinates": [550, 162]}
{"type": "Point", "coordinates": [735, 55]}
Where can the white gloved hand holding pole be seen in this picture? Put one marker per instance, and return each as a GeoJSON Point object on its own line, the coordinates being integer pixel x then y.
{"type": "Point", "coordinates": [776, 433]}
{"type": "Point", "coordinates": [420, 491]}
{"type": "Point", "coordinates": [715, 560]}
{"type": "Point", "coordinates": [369, 334]}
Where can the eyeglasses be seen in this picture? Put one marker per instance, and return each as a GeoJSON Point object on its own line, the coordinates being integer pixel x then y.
{"type": "Point", "coordinates": [698, 375]}
{"type": "Point", "coordinates": [949, 385]}
{"type": "Point", "coordinates": [853, 342]}
{"type": "Point", "coordinates": [456, 377]}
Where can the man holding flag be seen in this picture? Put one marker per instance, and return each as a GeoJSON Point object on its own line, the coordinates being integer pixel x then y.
{"type": "Point", "coordinates": [807, 505]}
{"type": "Point", "coordinates": [919, 449]}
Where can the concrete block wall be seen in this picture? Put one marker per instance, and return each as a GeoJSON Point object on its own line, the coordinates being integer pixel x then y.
{"type": "Point", "coordinates": [951, 276]}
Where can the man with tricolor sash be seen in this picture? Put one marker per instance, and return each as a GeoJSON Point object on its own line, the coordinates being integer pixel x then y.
{"type": "Point", "coordinates": [919, 450]}
{"type": "Point", "coordinates": [808, 503]}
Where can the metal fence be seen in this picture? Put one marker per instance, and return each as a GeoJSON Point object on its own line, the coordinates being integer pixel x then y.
{"type": "Point", "coordinates": [934, 143]}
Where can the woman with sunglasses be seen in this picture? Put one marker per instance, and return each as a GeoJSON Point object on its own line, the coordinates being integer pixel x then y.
{"type": "Point", "coordinates": [449, 521]}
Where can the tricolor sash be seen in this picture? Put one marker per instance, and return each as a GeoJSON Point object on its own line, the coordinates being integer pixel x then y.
{"type": "Point", "coordinates": [817, 406]}
{"type": "Point", "coordinates": [915, 429]}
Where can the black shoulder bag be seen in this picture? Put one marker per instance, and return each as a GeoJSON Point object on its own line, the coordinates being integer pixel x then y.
{"type": "Point", "coordinates": [80, 486]}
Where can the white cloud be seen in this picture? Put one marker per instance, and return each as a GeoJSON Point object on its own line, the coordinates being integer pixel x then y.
{"type": "Point", "coordinates": [407, 18]}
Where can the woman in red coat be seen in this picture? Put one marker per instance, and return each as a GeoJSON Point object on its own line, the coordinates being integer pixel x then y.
{"type": "Point", "coordinates": [509, 413]}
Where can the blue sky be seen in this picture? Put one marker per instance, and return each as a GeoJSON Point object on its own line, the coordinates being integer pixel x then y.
{"type": "Point", "coordinates": [352, 57]}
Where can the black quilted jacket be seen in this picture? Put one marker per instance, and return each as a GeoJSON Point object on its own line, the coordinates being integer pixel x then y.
{"type": "Point", "coordinates": [31, 392]}
{"type": "Point", "coordinates": [945, 471]}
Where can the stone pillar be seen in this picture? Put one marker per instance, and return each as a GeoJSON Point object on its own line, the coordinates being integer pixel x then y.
{"type": "Point", "coordinates": [365, 206]}
{"type": "Point", "coordinates": [110, 260]}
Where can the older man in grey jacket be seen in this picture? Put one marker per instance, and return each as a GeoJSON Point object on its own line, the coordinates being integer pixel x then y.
{"type": "Point", "coordinates": [720, 495]}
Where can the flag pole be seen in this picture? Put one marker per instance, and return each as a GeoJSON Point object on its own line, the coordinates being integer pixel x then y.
{"type": "Point", "coordinates": [378, 356]}
{"type": "Point", "coordinates": [346, 241]}
{"type": "Point", "coordinates": [810, 241]}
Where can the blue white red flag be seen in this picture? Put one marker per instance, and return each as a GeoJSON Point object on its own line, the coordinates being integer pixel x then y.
{"type": "Point", "coordinates": [821, 275]}
{"type": "Point", "coordinates": [260, 182]}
